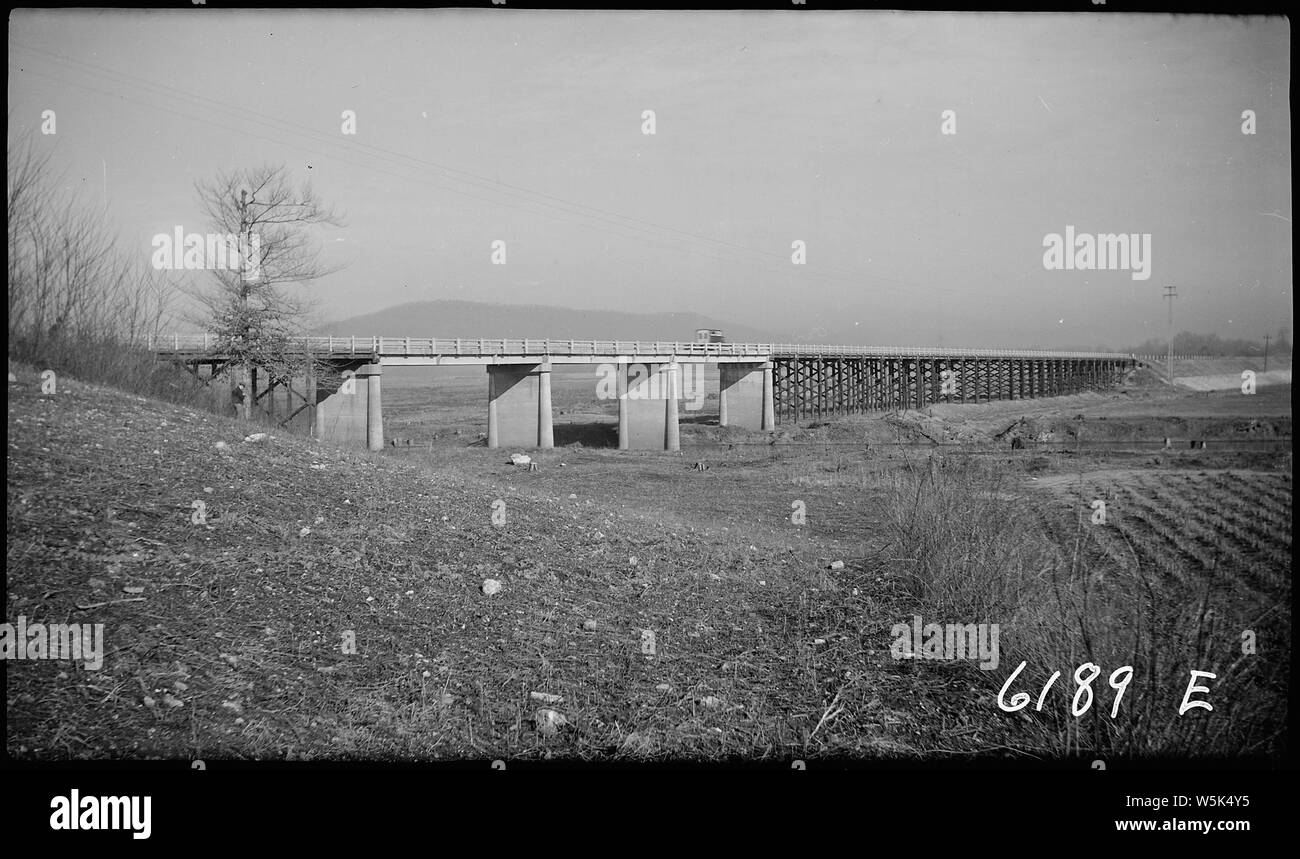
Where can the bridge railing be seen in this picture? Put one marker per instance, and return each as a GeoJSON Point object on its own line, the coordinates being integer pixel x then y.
{"type": "Point", "coordinates": [474, 347]}
{"type": "Point", "coordinates": [1150, 358]}
{"type": "Point", "coordinates": [806, 350]}
{"type": "Point", "coordinates": [492, 347]}
{"type": "Point", "coordinates": [198, 344]}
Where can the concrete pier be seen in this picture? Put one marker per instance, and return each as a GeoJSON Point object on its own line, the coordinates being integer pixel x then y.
{"type": "Point", "coordinates": [672, 436]}
{"type": "Point", "coordinates": [623, 419]}
{"type": "Point", "coordinates": [769, 397]}
{"type": "Point", "coordinates": [374, 408]}
{"type": "Point", "coordinates": [745, 396]}
{"type": "Point", "coordinates": [545, 424]}
{"type": "Point", "coordinates": [647, 410]}
{"type": "Point", "coordinates": [519, 405]}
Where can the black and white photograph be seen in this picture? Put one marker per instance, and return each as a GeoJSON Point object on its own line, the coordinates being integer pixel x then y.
{"type": "Point", "coordinates": [783, 389]}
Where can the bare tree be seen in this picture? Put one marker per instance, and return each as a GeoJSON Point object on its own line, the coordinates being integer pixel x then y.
{"type": "Point", "coordinates": [75, 298]}
{"type": "Point", "coordinates": [249, 307]}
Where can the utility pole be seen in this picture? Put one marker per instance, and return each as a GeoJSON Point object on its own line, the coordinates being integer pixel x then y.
{"type": "Point", "coordinates": [245, 229]}
{"type": "Point", "coordinates": [1265, 353]}
{"type": "Point", "coordinates": [1171, 294]}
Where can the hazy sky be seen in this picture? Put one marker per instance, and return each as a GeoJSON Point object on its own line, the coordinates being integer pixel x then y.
{"type": "Point", "coordinates": [770, 127]}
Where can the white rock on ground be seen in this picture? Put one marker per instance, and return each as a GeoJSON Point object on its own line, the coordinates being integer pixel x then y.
{"type": "Point", "coordinates": [549, 721]}
{"type": "Point", "coordinates": [491, 586]}
{"type": "Point", "coordinates": [520, 459]}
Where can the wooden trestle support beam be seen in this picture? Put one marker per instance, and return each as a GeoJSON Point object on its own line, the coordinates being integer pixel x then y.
{"type": "Point", "coordinates": [815, 387]}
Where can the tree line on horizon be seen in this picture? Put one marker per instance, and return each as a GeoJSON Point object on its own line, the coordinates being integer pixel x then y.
{"type": "Point", "coordinates": [1212, 345]}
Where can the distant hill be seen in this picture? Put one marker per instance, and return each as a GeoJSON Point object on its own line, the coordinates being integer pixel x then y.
{"type": "Point", "coordinates": [470, 319]}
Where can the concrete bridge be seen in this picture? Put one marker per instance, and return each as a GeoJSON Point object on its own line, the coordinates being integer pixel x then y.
{"type": "Point", "coordinates": [760, 384]}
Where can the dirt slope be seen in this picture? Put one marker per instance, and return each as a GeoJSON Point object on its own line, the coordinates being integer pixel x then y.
{"type": "Point", "coordinates": [225, 639]}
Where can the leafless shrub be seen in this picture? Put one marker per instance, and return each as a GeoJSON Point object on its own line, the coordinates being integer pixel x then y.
{"type": "Point", "coordinates": [77, 303]}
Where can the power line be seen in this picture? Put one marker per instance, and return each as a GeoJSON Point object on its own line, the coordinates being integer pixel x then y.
{"type": "Point", "coordinates": [492, 185]}
{"type": "Point", "coordinates": [241, 112]}
{"type": "Point", "coordinates": [656, 241]}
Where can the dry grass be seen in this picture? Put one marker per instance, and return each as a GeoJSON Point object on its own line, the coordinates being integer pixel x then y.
{"type": "Point", "coordinates": [1133, 591]}
{"type": "Point", "coordinates": [242, 619]}
{"type": "Point", "coordinates": [762, 652]}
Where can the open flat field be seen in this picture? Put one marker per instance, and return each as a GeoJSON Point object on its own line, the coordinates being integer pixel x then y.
{"type": "Point", "coordinates": [226, 639]}
{"type": "Point", "coordinates": [1224, 374]}
{"type": "Point", "coordinates": [445, 405]}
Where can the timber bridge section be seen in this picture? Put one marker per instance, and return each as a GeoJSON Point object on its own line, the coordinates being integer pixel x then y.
{"type": "Point", "coordinates": [761, 385]}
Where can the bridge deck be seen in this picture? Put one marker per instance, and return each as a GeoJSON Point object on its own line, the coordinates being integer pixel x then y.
{"type": "Point", "coordinates": [583, 351]}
